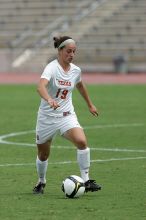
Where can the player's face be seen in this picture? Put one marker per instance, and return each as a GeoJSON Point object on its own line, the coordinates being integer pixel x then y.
{"type": "Point", "coordinates": [68, 53]}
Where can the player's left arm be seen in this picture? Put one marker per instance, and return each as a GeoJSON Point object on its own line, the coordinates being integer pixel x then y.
{"type": "Point", "coordinates": [84, 93]}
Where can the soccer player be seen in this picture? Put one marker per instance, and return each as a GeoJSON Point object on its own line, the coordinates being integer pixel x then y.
{"type": "Point", "coordinates": [56, 112]}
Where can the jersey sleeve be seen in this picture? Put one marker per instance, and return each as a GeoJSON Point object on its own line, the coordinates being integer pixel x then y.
{"type": "Point", "coordinates": [47, 73]}
{"type": "Point", "coordinates": [79, 78]}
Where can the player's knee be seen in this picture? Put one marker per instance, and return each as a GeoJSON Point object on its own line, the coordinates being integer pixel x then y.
{"type": "Point", "coordinates": [82, 144]}
{"type": "Point", "coordinates": [43, 156]}
{"type": "Point", "coordinates": [44, 151]}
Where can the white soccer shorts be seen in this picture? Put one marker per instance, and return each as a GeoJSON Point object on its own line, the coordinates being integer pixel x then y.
{"type": "Point", "coordinates": [47, 127]}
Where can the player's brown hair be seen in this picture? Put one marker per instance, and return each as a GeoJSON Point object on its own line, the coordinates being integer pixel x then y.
{"type": "Point", "coordinates": [59, 40]}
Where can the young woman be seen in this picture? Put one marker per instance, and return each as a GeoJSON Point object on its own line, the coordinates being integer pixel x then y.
{"type": "Point", "coordinates": [56, 112]}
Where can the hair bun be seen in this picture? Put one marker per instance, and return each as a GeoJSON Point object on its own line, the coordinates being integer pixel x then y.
{"type": "Point", "coordinates": [58, 40]}
{"type": "Point", "coordinates": [54, 38]}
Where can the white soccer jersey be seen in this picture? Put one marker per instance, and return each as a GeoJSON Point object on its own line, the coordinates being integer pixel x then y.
{"type": "Point", "coordinates": [60, 88]}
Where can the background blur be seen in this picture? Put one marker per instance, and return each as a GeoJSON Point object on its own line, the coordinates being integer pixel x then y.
{"type": "Point", "coordinates": [111, 39]}
{"type": "Point", "coordinates": [111, 34]}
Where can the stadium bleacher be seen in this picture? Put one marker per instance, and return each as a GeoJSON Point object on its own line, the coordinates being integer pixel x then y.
{"type": "Point", "coordinates": [103, 29]}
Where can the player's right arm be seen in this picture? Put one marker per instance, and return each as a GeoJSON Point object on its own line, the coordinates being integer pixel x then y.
{"type": "Point", "coordinates": [43, 92]}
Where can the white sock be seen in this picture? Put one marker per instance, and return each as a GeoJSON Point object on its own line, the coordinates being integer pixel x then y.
{"type": "Point", "coordinates": [83, 158]}
{"type": "Point", "coordinates": [41, 169]}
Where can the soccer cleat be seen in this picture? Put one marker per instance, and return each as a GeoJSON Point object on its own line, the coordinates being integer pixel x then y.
{"type": "Point", "coordinates": [39, 188]}
{"type": "Point", "coordinates": [92, 186]}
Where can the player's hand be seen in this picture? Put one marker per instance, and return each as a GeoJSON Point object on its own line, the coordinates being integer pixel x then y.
{"type": "Point", "coordinates": [93, 110]}
{"type": "Point", "coordinates": [53, 103]}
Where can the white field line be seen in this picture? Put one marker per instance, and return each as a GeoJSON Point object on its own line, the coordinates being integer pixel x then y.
{"type": "Point", "coordinates": [3, 141]}
{"type": "Point", "coordinates": [71, 162]}
{"type": "Point", "coordinates": [104, 149]}
{"type": "Point", "coordinates": [86, 127]}
{"type": "Point", "coordinates": [114, 126]}
{"type": "Point", "coordinates": [121, 149]}
{"type": "Point", "coordinates": [3, 137]}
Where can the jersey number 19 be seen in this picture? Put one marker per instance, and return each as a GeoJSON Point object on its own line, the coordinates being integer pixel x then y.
{"type": "Point", "coordinates": [62, 94]}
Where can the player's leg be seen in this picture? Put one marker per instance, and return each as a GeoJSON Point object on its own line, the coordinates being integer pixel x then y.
{"type": "Point", "coordinates": [71, 130]}
{"type": "Point", "coordinates": [42, 164]}
{"type": "Point", "coordinates": [45, 131]}
{"type": "Point", "coordinates": [42, 160]}
{"type": "Point", "coordinates": [76, 135]}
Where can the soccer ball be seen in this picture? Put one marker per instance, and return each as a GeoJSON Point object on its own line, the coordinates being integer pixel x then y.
{"type": "Point", "coordinates": [73, 186]}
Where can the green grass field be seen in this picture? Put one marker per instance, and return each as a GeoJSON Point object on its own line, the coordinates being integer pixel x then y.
{"type": "Point", "coordinates": [118, 151]}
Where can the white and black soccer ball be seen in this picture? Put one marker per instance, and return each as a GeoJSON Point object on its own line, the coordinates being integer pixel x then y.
{"type": "Point", "coordinates": [73, 186]}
